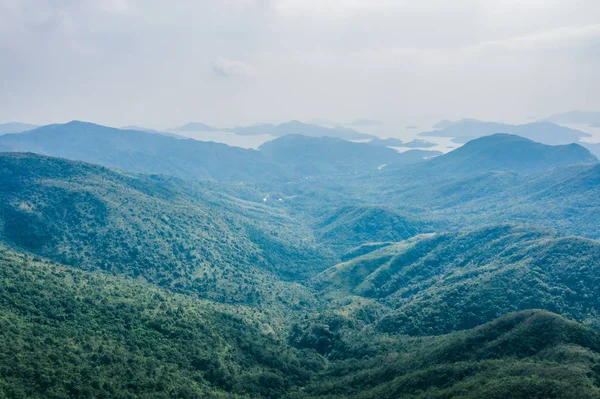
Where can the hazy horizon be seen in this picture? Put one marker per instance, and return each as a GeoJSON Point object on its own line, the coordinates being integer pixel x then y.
{"type": "Point", "coordinates": [239, 62]}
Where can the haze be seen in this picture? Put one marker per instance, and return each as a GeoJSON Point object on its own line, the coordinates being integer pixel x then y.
{"type": "Point", "coordinates": [233, 62]}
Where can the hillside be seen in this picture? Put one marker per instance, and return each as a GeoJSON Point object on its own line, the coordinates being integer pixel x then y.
{"type": "Point", "coordinates": [68, 333]}
{"type": "Point", "coordinates": [530, 354]}
{"type": "Point", "coordinates": [351, 226]}
{"type": "Point", "coordinates": [138, 151]}
{"type": "Point", "coordinates": [179, 235]}
{"type": "Point", "coordinates": [543, 132]}
{"type": "Point", "coordinates": [447, 282]}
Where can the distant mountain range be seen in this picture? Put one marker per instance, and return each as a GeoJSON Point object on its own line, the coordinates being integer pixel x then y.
{"type": "Point", "coordinates": [139, 151]}
{"type": "Point", "coordinates": [543, 132]}
{"type": "Point", "coordinates": [196, 127]}
{"type": "Point", "coordinates": [320, 155]}
{"type": "Point", "coordinates": [283, 129]}
{"type": "Point", "coordinates": [304, 129]}
{"type": "Point", "coordinates": [15, 127]}
{"type": "Point", "coordinates": [287, 157]}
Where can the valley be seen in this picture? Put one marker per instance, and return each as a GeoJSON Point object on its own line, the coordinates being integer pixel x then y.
{"type": "Point", "coordinates": [137, 265]}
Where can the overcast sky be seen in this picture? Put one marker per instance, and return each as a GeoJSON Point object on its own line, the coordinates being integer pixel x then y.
{"type": "Point", "coordinates": [228, 62]}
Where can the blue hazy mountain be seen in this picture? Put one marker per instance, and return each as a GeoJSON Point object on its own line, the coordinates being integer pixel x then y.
{"type": "Point", "coordinates": [138, 151]}
{"type": "Point", "coordinates": [300, 128]}
{"type": "Point", "coordinates": [322, 155]}
{"type": "Point", "coordinates": [507, 152]}
{"type": "Point", "coordinates": [196, 127]}
{"type": "Point", "coordinates": [544, 132]}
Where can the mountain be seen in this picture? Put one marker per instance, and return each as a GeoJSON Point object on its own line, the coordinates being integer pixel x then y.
{"type": "Point", "coordinates": [506, 152]}
{"type": "Point", "coordinates": [68, 333]}
{"type": "Point", "coordinates": [439, 283]}
{"type": "Point", "coordinates": [15, 127]}
{"type": "Point", "coordinates": [543, 132]}
{"type": "Point", "coordinates": [323, 155]}
{"type": "Point", "coordinates": [529, 354]}
{"type": "Point", "coordinates": [184, 236]}
{"type": "Point", "coordinates": [137, 151]}
{"type": "Point", "coordinates": [304, 129]}
{"type": "Point", "coordinates": [351, 226]}
{"type": "Point", "coordinates": [576, 117]}
{"type": "Point", "coordinates": [564, 198]}
{"type": "Point", "coordinates": [196, 127]}
{"type": "Point", "coordinates": [593, 147]}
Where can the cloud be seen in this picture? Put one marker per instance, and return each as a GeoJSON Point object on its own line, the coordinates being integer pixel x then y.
{"type": "Point", "coordinates": [227, 68]}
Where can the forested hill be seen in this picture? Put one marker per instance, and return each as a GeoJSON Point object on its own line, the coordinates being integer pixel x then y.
{"type": "Point", "coordinates": [176, 234]}
{"type": "Point", "coordinates": [435, 284]}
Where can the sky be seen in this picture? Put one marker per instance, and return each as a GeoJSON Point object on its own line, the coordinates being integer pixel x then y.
{"type": "Point", "coordinates": [380, 63]}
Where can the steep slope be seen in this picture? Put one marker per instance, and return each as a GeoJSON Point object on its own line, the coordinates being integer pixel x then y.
{"type": "Point", "coordinates": [138, 151]}
{"type": "Point", "coordinates": [446, 282]}
{"type": "Point", "coordinates": [352, 226]}
{"type": "Point", "coordinates": [176, 234]}
{"type": "Point", "coordinates": [505, 152]}
{"type": "Point", "coordinates": [543, 132]}
{"type": "Point", "coordinates": [68, 333]}
{"type": "Point", "coordinates": [530, 354]}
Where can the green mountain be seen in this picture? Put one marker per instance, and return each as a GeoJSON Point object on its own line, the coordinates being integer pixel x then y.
{"type": "Point", "coordinates": [67, 333]}
{"type": "Point", "coordinates": [138, 151]}
{"type": "Point", "coordinates": [543, 132]}
{"type": "Point", "coordinates": [179, 235]}
{"type": "Point", "coordinates": [530, 354]}
{"type": "Point", "coordinates": [351, 226]}
{"type": "Point", "coordinates": [439, 283]}
{"type": "Point", "coordinates": [229, 284]}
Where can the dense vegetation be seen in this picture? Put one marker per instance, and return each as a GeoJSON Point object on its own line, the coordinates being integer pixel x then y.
{"type": "Point", "coordinates": [177, 235]}
{"type": "Point", "coordinates": [531, 354]}
{"type": "Point", "coordinates": [305, 270]}
{"type": "Point", "coordinates": [67, 333]}
{"type": "Point", "coordinates": [447, 282]}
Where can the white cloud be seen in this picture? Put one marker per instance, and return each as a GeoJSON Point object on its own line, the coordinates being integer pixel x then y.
{"type": "Point", "coordinates": [225, 67]}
